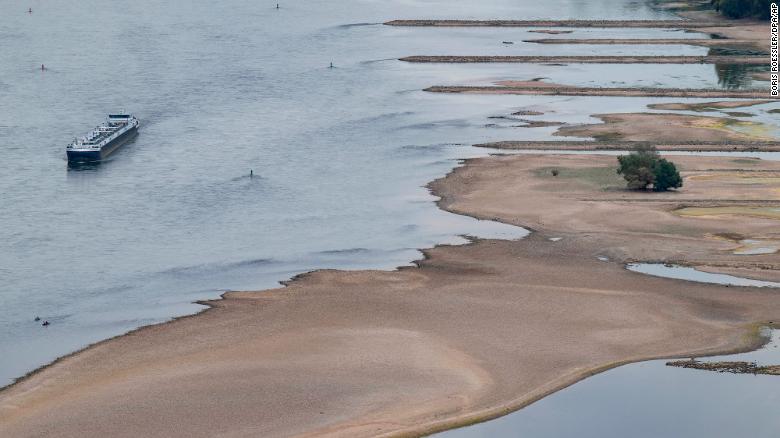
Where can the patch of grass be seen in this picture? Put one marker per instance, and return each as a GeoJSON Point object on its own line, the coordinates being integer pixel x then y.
{"type": "Point", "coordinates": [739, 114]}
{"type": "Point", "coordinates": [727, 122]}
{"type": "Point", "coordinates": [746, 161]}
{"type": "Point", "coordinates": [757, 131]}
{"type": "Point", "coordinates": [774, 111]}
{"type": "Point", "coordinates": [604, 178]}
{"type": "Point", "coordinates": [608, 136]}
{"type": "Point", "coordinates": [680, 229]}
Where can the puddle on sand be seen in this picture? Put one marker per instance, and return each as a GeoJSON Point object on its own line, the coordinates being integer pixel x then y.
{"type": "Point", "coordinates": [756, 251]}
{"type": "Point", "coordinates": [691, 274]}
{"type": "Point", "coordinates": [756, 247]}
{"type": "Point", "coordinates": [650, 400]}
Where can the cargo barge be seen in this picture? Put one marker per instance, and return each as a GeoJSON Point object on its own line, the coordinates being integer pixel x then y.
{"type": "Point", "coordinates": [104, 139]}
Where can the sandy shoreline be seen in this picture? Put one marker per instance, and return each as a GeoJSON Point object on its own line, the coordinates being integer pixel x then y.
{"type": "Point", "coordinates": [668, 128]}
{"type": "Point", "coordinates": [644, 41]}
{"type": "Point", "coordinates": [589, 59]}
{"type": "Point", "coordinates": [564, 90]}
{"type": "Point", "coordinates": [473, 332]}
{"type": "Point", "coordinates": [723, 42]}
{"type": "Point", "coordinates": [568, 145]}
{"type": "Point", "coordinates": [662, 24]}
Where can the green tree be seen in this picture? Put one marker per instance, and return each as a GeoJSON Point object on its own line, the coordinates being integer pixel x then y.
{"type": "Point", "coordinates": [643, 168]}
{"type": "Point", "coordinates": [637, 167]}
{"type": "Point", "coordinates": [666, 176]}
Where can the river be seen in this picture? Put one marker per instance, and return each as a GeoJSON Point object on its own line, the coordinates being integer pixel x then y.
{"type": "Point", "coordinates": [340, 155]}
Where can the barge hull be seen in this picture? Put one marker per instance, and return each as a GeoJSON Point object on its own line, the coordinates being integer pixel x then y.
{"type": "Point", "coordinates": [105, 151]}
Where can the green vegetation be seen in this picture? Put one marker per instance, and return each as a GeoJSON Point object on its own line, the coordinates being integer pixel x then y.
{"type": "Point", "coordinates": [666, 176]}
{"type": "Point", "coordinates": [644, 168]}
{"type": "Point", "coordinates": [743, 8]}
{"type": "Point", "coordinates": [603, 177]}
{"type": "Point", "coordinates": [608, 136]}
{"type": "Point", "coordinates": [746, 160]}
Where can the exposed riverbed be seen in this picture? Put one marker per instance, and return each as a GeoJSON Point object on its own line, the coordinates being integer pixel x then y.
{"type": "Point", "coordinates": [650, 399]}
{"type": "Point", "coordinates": [339, 155]}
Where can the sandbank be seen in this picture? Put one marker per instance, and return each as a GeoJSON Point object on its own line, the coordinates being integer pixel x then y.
{"type": "Point", "coordinates": [543, 88]}
{"type": "Point", "coordinates": [589, 59]}
{"type": "Point", "coordinates": [473, 332]}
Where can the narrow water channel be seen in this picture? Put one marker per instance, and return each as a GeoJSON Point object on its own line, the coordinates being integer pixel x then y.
{"type": "Point", "coordinates": [691, 274]}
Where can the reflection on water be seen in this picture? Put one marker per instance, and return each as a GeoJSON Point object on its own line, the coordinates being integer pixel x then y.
{"type": "Point", "coordinates": [734, 51]}
{"type": "Point", "coordinates": [734, 76]}
{"type": "Point", "coordinates": [652, 400]}
{"type": "Point", "coordinates": [79, 166]}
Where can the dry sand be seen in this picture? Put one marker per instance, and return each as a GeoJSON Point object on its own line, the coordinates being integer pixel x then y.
{"type": "Point", "coordinates": [551, 32]}
{"type": "Point", "coordinates": [661, 127]}
{"type": "Point", "coordinates": [474, 332]}
{"type": "Point", "coordinates": [714, 21]}
{"type": "Point", "coordinates": [584, 200]}
{"type": "Point", "coordinates": [543, 88]}
{"type": "Point", "coordinates": [706, 106]}
{"type": "Point", "coordinates": [693, 146]}
{"type": "Point", "coordinates": [590, 59]}
{"type": "Point", "coordinates": [644, 41]}
{"type": "Point", "coordinates": [535, 83]}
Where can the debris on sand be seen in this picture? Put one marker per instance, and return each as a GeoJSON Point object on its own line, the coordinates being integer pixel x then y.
{"type": "Point", "coordinates": [727, 367]}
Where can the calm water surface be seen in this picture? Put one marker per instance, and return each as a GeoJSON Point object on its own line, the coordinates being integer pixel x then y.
{"type": "Point", "coordinates": [340, 156]}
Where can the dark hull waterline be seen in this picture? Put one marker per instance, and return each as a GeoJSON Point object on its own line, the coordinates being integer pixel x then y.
{"type": "Point", "coordinates": [105, 151]}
